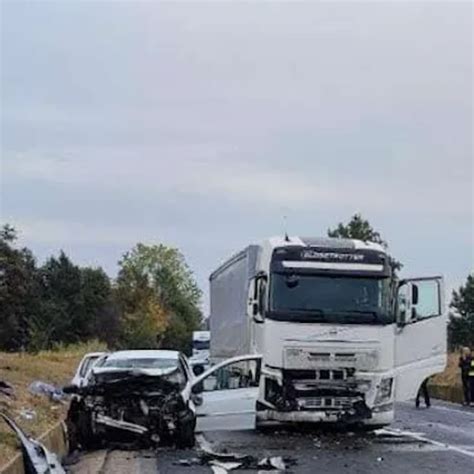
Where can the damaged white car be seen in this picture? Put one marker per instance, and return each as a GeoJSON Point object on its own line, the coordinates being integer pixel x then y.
{"type": "Point", "coordinates": [152, 396]}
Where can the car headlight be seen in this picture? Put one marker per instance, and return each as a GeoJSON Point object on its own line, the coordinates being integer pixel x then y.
{"type": "Point", "coordinates": [384, 391]}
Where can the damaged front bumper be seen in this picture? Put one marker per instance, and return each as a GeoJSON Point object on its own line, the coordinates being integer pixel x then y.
{"type": "Point", "coordinates": [329, 395]}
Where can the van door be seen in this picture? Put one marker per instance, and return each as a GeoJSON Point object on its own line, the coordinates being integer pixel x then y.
{"type": "Point", "coordinates": [226, 395]}
{"type": "Point", "coordinates": [421, 334]}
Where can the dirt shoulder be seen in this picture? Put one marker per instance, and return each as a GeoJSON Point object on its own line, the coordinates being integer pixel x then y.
{"type": "Point", "coordinates": [20, 370]}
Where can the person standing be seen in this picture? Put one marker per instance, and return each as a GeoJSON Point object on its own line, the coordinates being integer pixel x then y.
{"type": "Point", "coordinates": [471, 379]}
{"type": "Point", "coordinates": [465, 361]}
{"type": "Point", "coordinates": [426, 394]}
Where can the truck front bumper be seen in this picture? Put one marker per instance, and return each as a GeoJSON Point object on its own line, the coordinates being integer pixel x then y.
{"type": "Point", "coordinates": [377, 418]}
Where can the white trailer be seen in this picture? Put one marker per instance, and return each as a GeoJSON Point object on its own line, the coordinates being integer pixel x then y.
{"type": "Point", "coordinates": [340, 337]}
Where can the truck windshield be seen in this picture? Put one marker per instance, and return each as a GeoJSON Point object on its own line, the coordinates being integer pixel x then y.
{"type": "Point", "coordinates": [335, 299]}
{"type": "Point", "coordinates": [201, 345]}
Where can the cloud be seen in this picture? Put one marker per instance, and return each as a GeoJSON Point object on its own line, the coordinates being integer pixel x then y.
{"type": "Point", "coordinates": [202, 125]}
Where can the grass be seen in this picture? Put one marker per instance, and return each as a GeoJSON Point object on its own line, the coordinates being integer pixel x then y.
{"type": "Point", "coordinates": [452, 374]}
{"type": "Point", "coordinates": [19, 369]}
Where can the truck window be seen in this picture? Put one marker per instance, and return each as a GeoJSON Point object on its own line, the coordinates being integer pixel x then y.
{"type": "Point", "coordinates": [233, 376]}
{"type": "Point", "coordinates": [428, 299]}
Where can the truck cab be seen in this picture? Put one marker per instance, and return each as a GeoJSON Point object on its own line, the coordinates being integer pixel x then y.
{"type": "Point", "coordinates": [341, 337]}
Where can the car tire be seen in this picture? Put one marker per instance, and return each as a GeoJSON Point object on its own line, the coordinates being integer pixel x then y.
{"type": "Point", "coordinates": [185, 431]}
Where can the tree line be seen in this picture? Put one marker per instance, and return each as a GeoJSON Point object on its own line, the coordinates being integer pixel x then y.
{"type": "Point", "coordinates": [154, 301]}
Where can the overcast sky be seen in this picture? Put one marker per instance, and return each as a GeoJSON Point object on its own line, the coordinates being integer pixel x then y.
{"type": "Point", "coordinates": [202, 125]}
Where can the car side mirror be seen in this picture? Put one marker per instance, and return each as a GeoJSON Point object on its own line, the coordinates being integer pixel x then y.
{"type": "Point", "coordinates": [197, 399]}
{"type": "Point", "coordinates": [68, 389]}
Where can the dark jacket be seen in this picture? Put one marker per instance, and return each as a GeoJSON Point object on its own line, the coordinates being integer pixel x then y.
{"type": "Point", "coordinates": [465, 366]}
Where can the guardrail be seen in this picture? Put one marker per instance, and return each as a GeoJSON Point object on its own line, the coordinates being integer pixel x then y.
{"type": "Point", "coordinates": [54, 439]}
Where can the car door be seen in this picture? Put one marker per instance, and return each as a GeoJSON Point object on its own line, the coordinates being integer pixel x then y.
{"type": "Point", "coordinates": [421, 334]}
{"type": "Point", "coordinates": [226, 395]}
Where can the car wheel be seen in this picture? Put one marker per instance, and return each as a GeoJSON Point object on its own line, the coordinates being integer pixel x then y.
{"type": "Point", "coordinates": [185, 431]}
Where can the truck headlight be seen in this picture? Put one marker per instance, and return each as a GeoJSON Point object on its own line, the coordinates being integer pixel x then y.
{"type": "Point", "coordinates": [384, 391]}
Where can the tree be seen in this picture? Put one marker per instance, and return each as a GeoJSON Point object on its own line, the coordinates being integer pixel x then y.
{"type": "Point", "coordinates": [74, 301]}
{"type": "Point", "coordinates": [461, 320]}
{"type": "Point", "coordinates": [158, 297]}
{"type": "Point", "coordinates": [360, 228]}
{"type": "Point", "coordinates": [19, 295]}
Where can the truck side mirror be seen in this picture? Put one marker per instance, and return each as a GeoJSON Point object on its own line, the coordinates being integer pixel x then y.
{"type": "Point", "coordinates": [254, 305]}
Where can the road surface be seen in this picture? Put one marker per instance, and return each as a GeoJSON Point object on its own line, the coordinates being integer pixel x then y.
{"type": "Point", "coordinates": [435, 440]}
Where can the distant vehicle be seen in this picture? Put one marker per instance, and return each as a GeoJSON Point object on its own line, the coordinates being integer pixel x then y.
{"type": "Point", "coordinates": [341, 337]}
{"type": "Point", "coordinates": [84, 366]}
{"type": "Point", "coordinates": [201, 344]}
{"type": "Point", "coordinates": [152, 395]}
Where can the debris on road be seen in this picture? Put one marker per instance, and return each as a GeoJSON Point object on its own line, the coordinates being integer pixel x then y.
{"type": "Point", "coordinates": [272, 463]}
{"type": "Point", "coordinates": [226, 466]}
{"type": "Point", "coordinates": [36, 458]}
{"type": "Point", "coordinates": [38, 387]}
{"type": "Point", "coordinates": [224, 461]}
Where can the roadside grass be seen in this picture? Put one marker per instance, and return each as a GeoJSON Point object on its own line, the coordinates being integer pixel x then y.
{"type": "Point", "coordinates": [56, 367]}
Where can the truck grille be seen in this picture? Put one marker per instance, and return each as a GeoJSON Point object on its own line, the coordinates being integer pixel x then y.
{"type": "Point", "coordinates": [320, 374]}
{"type": "Point", "coordinates": [334, 403]}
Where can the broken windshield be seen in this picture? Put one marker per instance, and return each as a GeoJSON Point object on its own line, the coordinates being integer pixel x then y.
{"type": "Point", "coordinates": [321, 298]}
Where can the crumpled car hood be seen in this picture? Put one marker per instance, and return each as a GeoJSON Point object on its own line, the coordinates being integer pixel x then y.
{"type": "Point", "coordinates": [136, 371]}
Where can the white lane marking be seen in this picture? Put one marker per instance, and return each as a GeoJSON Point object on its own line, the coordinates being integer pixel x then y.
{"type": "Point", "coordinates": [444, 408]}
{"type": "Point", "coordinates": [462, 412]}
{"type": "Point", "coordinates": [424, 439]}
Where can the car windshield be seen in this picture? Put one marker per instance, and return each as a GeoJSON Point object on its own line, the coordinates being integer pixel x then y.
{"type": "Point", "coordinates": [341, 299]}
{"type": "Point", "coordinates": [141, 363]}
{"type": "Point", "coordinates": [87, 364]}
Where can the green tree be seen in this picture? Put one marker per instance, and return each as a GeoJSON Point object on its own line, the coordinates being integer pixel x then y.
{"type": "Point", "coordinates": [19, 291]}
{"type": "Point", "coordinates": [461, 321]}
{"type": "Point", "coordinates": [74, 303]}
{"type": "Point", "coordinates": [360, 228]}
{"type": "Point", "coordinates": [159, 298]}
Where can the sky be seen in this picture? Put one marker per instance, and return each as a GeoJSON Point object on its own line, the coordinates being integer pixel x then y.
{"type": "Point", "coordinates": [201, 125]}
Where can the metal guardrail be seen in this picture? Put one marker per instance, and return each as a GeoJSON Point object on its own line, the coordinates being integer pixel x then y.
{"type": "Point", "coordinates": [55, 439]}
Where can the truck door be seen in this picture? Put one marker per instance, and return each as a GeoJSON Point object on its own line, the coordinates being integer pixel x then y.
{"type": "Point", "coordinates": [421, 334]}
{"type": "Point", "coordinates": [226, 395]}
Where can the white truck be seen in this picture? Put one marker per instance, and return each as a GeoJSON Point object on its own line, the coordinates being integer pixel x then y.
{"type": "Point", "coordinates": [338, 337]}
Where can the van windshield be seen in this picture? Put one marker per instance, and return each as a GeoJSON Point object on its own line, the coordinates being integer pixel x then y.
{"type": "Point", "coordinates": [329, 298]}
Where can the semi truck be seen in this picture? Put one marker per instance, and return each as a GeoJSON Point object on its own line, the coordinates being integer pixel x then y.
{"type": "Point", "coordinates": [337, 335]}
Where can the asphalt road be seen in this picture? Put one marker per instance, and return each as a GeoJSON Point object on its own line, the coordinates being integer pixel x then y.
{"type": "Point", "coordinates": [435, 440]}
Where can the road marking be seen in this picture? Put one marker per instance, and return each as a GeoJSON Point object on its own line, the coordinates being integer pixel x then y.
{"type": "Point", "coordinates": [424, 439]}
{"type": "Point", "coordinates": [445, 408]}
